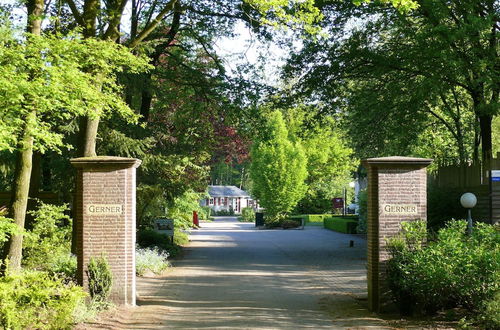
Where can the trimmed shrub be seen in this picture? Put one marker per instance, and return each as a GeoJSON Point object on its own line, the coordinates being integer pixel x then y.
{"type": "Point", "coordinates": [37, 300]}
{"type": "Point", "coordinates": [150, 259]}
{"type": "Point", "coordinates": [342, 225]}
{"type": "Point", "coordinates": [453, 270]}
{"type": "Point", "coordinates": [316, 217]}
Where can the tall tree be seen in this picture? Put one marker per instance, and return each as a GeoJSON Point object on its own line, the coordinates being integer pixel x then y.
{"type": "Point", "coordinates": [21, 184]}
{"type": "Point", "coordinates": [279, 167]}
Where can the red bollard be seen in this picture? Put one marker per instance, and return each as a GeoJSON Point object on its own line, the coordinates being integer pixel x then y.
{"type": "Point", "coordinates": [196, 223]}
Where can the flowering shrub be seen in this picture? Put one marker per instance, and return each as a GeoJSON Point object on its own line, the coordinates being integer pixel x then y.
{"type": "Point", "coordinates": [150, 259]}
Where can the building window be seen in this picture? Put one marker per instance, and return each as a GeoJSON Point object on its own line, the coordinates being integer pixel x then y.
{"type": "Point", "coordinates": [211, 201]}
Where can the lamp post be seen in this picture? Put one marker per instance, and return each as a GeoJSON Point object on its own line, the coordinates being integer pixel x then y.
{"type": "Point", "coordinates": [351, 184]}
{"type": "Point", "coordinates": [468, 201]}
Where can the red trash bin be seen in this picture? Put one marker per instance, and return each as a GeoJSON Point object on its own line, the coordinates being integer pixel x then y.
{"type": "Point", "coordinates": [196, 222]}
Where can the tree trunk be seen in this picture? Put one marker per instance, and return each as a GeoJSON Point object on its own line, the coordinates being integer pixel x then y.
{"type": "Point", "coordinates": [20, 192]}
{"type": "Point", "coordinates": [486, 143]}
{"type": "Point", "coordinates": [34, 190]}
{"type": "Point", "coordinates": [89, 146]}
{"type": "Point", "coordinates": [20, 189]}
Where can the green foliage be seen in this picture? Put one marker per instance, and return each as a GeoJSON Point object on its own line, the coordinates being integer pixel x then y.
{"type": "Point", "coordinates": [7, 227]}
{"type": "Point", "coordinates": [37, 300]}
{"type": "Point", "coordinates": [100, 280]}
{"type": "Point", "coordinates": [65, 266]}
{"type": "Point", "coordinates": [151, 204]}
{"type": "Point", "coordinates": [274, 221]}
{"type": "Point", "coordinates": [453, 270]}
{"type": "Point", "coordinates": [282, 14]}
{"type": "Point", "coordinates": [247, 214]}
{"type": "Point", "coordinates": [150, 259]}
{"type": "Point", "coordinates": [73, 77]}
{"type": "Point", "coordinates": [403, 84]}
{"type": "Point", "coordinates": [224, 213]}
{"type": "Point", "coordinates": [342, 225]}
{"type": "Point", "coordinates": [442, 206]}
{"type": "Point", "coordinates": [314, 202]}
{"type": "Point", "coordinates": [363, 212]}
{"type": "Point", "coordinates": [205, 213]}
{"type": "Point", "coordinates": [290, 223]}
{"type": "Point", "coordinates": [489, 316]}
{"type": "Point", "coordinates": [148, 238]}
{"type": "Point", "coordinates": [278, 168]}
{"type": "Point", "coordinates": [48, 243]}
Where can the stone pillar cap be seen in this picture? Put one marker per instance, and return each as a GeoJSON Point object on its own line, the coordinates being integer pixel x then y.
{"type": "Point", "coordinates": [105, 161]}
{"type": "Point", "coordinates": [397, 160]}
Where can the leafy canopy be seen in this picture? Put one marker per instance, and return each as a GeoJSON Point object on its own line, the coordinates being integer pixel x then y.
{"type": "Point", "coordinates": [59, 79]}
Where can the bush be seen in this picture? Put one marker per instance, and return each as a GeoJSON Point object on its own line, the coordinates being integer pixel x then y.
{"type": "Point", "coordinates": [316, 202]}
{"type": "Point", "coordinates": [7, 227]}
{"type": "Point", "coordinates": [65, 267]}
{"type": "Point", "coordinates": [274, 221]}
{"type": "Point", "coordinates": [343, 225]}
{"type": "Point", "coordinates": [100, 279]}
{"type": "Point", "coordinates": [149, 238]}
{"type": "Point", "coordinates": [290, 223]}
{"type": "Point", "coordinates": [453, 270]}
{"type": "Point", "coordinates": [247, 214]}
{"type": "Point", "coordinates": [205, 213]}
{"type": "Point", "coordinates": [37, 300]}
{"type": "Point", "coordinates": [224, 213]}
{"type": "Point", "coordinates": [49, 240]}
{"type": "Point", "coordinates": [489, 316]}
{"type": "Point", "coordinates": [150, 259]}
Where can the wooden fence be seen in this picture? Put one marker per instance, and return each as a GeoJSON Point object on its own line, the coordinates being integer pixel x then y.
{"type": "Point", "coordinates": [476, 179]}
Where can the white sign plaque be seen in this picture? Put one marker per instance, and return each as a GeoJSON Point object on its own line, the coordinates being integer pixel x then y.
{"type": "Point", "coordinates": [399, 209]}
{"type": "Point", "coordinates": [104, 209]}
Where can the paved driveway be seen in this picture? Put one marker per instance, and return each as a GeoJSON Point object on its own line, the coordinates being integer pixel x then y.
{"type": "Point", "coordinates": [236, 277]}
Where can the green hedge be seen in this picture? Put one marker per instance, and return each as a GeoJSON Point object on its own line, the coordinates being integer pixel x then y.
{"type": "Point", "coordinates": [344, 225]}
{"type": "Point", "coordinates": [311, 217]}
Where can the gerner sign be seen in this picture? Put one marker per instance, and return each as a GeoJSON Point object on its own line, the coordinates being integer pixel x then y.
{"type": "Point", "coordinates": [399, 209]}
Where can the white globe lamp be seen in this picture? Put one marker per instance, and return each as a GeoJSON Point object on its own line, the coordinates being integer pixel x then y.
{"type": "Point", "coordinates": [468, 201]}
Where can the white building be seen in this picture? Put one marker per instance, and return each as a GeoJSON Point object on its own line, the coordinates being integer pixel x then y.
{"type": "Point", "coordinates": [228, 198]}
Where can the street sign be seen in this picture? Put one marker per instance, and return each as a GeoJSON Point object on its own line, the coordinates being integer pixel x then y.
{"type": "Point", "coordinates": [165, 226]}
{"type": "Point", "coordinates": [338, 202]}
{"type": "Point", "coordinates": [495, 175]}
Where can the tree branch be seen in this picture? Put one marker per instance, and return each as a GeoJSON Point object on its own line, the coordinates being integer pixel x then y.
{"type": "Point", "coordinates": [75, 12]}
{"type": "Point", "coordinates": [154, 23]}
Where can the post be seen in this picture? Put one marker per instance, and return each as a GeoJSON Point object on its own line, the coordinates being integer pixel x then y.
{"type": "Point", "coordinates": [105, 213]}
{"type": "Point", "coordinates": [397, 191]}
{"type": "Point", "coordinates": [345, 201]}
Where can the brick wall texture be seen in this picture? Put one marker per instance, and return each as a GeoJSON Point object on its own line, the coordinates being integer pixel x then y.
{"type": "Point", "coordinates": [399, 183]}
{"type": "Point", "coordinates": [111, 235]}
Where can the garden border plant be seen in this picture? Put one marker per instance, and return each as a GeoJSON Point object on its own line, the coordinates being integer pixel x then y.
{"type": "Point", "coordinates": [451, 270]}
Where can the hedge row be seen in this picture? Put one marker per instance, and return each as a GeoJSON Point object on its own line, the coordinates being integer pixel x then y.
{"type": "Point", "coordinates": [343, 225]}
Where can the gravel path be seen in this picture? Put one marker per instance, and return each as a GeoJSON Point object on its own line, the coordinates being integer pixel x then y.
{"type": "Point", "coordinates": [234, 276]}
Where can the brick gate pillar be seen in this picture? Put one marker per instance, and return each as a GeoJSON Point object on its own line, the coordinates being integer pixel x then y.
{"type": "Point", "coordinates": [105, 220]}
{"type": "Point", "coordinates": [397, 191]}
